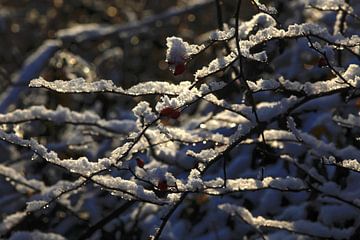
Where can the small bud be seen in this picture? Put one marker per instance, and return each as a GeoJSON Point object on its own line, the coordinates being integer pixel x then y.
{"type": "Point", "coordinates": [170, 112]}
{"type": "Point", "coordinates": [162, 185]}
{"type": "Point", "coordinates": [140, 163]}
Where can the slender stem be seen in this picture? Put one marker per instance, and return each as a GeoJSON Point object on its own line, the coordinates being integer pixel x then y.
{"type": "Point", "coordinates": [166, 218]}
{"type": "Point", "coordinates": [219, 15]}
{"type": "Point", "coordinates": [91, 230]}
{"type": "Point", "coordinates": [250, 97]}
{"type": "Point", "coordinates": [342, 23]}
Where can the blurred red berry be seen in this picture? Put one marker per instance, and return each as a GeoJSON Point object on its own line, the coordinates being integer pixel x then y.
{"type": "Point", "coordinates": [162, 185]}
{"type": "Point", "coordinates": [170, 112]}
{"type": "Point", "coordinates": [322, 62]}
{"type": "Point", "coordinates": [140, 163]}
{"type": "Point", "coordinates": [179, 69]}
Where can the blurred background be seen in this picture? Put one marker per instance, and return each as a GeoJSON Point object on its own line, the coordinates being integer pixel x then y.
{"type": "Point", "coordinates": [127, 59]}
{"type": "Point", "coordinates": [135, 56]}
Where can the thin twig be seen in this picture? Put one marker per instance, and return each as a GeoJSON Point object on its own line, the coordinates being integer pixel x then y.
{"type": "Point", "coordinates": [242, 74]}
{"type": "Point", "coordinates": [100, 224]}
{"type": "Point", "coordinates": [166, 218]}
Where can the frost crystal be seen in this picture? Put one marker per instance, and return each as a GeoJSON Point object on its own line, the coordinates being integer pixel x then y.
{"type": "Point", "coordinates": [179, 51]}
{"type": "Point", "coordinates": [35, 205]}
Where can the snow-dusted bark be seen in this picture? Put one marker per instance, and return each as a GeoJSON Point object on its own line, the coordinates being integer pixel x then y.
{"type": "Point", "coordinates": [10, 221]}
{"type": "Point", "coordinates": [63, 115]}
{"type": "Point", "coordinates": [81, 86]}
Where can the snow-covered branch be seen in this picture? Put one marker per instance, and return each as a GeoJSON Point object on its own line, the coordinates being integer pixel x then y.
{"type": "Point", "coordinates": [311, 229]}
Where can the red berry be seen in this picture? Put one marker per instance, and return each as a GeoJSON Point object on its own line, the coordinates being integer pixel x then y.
{"type": "Point", "coordinates": [170, 112]}
{"type": "Point", "coordinates": [140, 163]}
{"type": "Point", "coordinates": [322, 62]}
{"type": "Point", "coordinates": [162, 185]}
{"type": "Point", "coordinates": [179, 69]}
